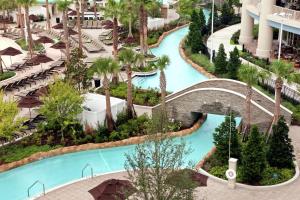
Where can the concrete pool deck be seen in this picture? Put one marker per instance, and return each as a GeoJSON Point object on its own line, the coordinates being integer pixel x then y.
{"type": "Point", "coordinates": [214, 191]}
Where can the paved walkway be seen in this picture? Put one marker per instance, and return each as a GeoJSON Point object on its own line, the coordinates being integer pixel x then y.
{"type": "Point", "coordinates": [214, 191]}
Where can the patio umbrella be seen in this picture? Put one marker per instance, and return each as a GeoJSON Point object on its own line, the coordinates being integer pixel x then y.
{"type": "Point", "coordinates": [59, 45]}
{"type": "Point", "coordinates": [29, 102]}
{"type": "Point", "coordinates": [10, 51]}
{"type": "Point", "coordinates": [40, 59]}
{"type": "Point", "coordinates": [72, 13]}
{"type": "Point", "coordinates": [198, 179]}
{"type": "Point", "coordinates": [58, 26]}
{"type": "Point", "coordinates": [44, 40]}
{"type": "Point", "coordinates": [113, 189]}
{"type": "Point", "coordinates": [33, 18]}
{"type": "Point", "coordinates": [70, 32]}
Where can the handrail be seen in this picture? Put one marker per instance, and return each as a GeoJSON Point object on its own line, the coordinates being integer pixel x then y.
{"type": "Point", "coordinates": [37, 181]}
{"type": "Point", "coordinates": [86, 166]}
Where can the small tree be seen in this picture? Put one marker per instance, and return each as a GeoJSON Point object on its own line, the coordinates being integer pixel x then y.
{"type": "Point", "coordinates": [227, 13]}
{"type": "Point", "coordinates": [221, 140]}
{"type": "Point", "coordinates": [202, 22]}
{"type": "Point", "coordinates": [234, 64]}
{"type": "Point", "coordinates": [220, 61]}
{"type": "Point", "coordinates": [280, 153]}
{"type": "Point", "coordinates": [254, 157]}
{"type": "Point", "coordinates": [61, 106]}
{"type": "Point", "coordinates": [216, 19]}
{"type": "Point", "coordinates": [152, 166]}
{"type": "Point", "coordinates": [9, 122]}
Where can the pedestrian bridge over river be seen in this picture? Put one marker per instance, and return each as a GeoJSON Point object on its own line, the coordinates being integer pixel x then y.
{"type": "Point", "coordinates": [220, 96]}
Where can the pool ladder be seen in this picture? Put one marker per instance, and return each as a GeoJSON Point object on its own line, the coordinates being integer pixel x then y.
{"type": "Point", "coordinates": [30, 187]}
{"type": "Point", "coordinates": [85, 167]}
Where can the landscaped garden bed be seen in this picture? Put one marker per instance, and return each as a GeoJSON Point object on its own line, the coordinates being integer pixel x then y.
{"type": "Point", "coordinates": [6, 75]}
{"type": "Point", "coordinates": [36, 47]}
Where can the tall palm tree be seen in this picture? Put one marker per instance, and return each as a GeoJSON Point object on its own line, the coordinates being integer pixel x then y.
{"type": "Point", "coordinates": [129, 6]}
{"type": "Point", "coordinates": [79, 25]}
{"type": "Point", "coordinates": [26, 4]}
{"type": "Point", "coordinates": [161, 65]}
{"type": "Point", "coordinates": [282, 70]}
{"type": "Point", "coordinates": [21, 21]}
{"type": "Point", "coordinates": [129, 58]}
{"type": "Point", "coordinates": [250, 75]}
{"type": "Point", "coordinates": [62, 6]}
{"type": "Point", "coordinates": [48, 15]}
{"type": "Point", "coordinates": [104, 67]}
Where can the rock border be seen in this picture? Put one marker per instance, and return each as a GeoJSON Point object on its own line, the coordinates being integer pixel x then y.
{"type": "Point", "coordinates": [241, 185]}
{"type": "Point", "coordinates": [91, 146]}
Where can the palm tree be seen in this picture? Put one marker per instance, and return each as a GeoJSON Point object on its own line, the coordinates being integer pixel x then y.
{"type": "Point", "coordinates": [282, 70]}
{"type": "Point", "coordinates": [48, 15]}
{"type": "Point", "coordinates": [250, 75]}
{"type": "Point", "coordinates": [129, 58]}
{"type": "Point", "coordinates": [21, 21]}
{"type": "Point", "coordinates": [26, 4]}
{"type": "Point", "coordinates": [63, 5]}
{"type": "Point", "coordinates": [95, 9]}
{"type": "Point", "coordinates": [79, 25]}
{"type": "Point", "coordinates": [103, 67]}
{"type": "Point", "coordinates": [161, 65]}
{"type": "Point", "coordinates": [128, 5]}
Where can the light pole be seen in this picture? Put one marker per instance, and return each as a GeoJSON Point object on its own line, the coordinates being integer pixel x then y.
{"type": "Point", "coordinates": [229, 142]}
{"type": "Point", "coordinates": [280, 41]}
{"type": "Point", "coordinates": [212, 30]}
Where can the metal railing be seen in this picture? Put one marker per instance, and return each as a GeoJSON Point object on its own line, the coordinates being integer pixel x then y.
{"type": "Point", "coordinates": [36, 182]}
{"type": "Point", "coordinates": [85, 167]}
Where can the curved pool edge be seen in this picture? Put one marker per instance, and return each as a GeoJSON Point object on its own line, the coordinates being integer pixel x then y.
{"type": "Point", "coordinates": [91, 146]}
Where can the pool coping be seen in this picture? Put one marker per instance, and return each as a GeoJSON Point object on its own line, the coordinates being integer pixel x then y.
{"type": "Point", "coordinates": [90, 146]}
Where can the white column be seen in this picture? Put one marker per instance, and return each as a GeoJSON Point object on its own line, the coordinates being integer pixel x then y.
{"type": "Point", "coordinates": [265, 35]}
{"type": "Point", "coordinates": [247, 23]}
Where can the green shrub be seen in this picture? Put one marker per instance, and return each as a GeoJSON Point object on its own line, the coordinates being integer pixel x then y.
{"type": "Point", "coordinates": [121, 118]}
{"type": "Point", "coordinates": [201, 60]}
{"type": "Point", "coordinates": [24, 46]}
{"type": "Point", "coordinates": [273, 175]}
{"type": "Point", "coordinates": [6, 75]}
{"type": "Point", "coordinates": [235, 37]}
{"type": "Point", "coordinates": [219, 171]}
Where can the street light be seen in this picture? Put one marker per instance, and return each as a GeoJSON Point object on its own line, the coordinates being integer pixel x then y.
{"type": "Point", "coordinates": [212, 30]}
{"type": "Point", "coordinates": [280, 32]}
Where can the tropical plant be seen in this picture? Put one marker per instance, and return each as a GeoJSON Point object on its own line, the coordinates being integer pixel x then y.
{"type": "Point", "coordinates": [26, 4]}
{"type": "Point", "coordinates": [254, 157]}
{"type": "Point", "coordinates": [161, 65]}
{"type": "Point", "coordinates": [221, 61]}
{"type": "Point", "coordinates": [130, 16]}
{"type": "Point", "coordinates": [61, 106]}
{"type": "Point", "coordinates": [224, 134]}
{"type": "Point", "coordinates": [78, 23]}
{"type": "Point", "coordinates": [10, 123]}
{"type": "Point", "coordinates": [104, 67]}
{"type": "Point", "coordinates": [250, 75]}
{"type": "Point", "coordinates": [62, 5]}
{"type": "Point", "coordinates": [185, 8]}
{"type": "Point", "coordinates": [129, 58]}
{"type": "Point", "coordinates": [283, 71]}
{"type": "Point", "coordinates": [48, 15]}
{"type": "Point", "coordinates": [281, 152]}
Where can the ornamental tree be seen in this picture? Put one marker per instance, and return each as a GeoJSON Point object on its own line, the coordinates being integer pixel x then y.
{"type": "Point", "coordinates": [254, 157]}
{"type": "Point", "coordinates": [221, 61]}
{"type": "Point", "coordinates": [281, 151]}
{"type": "Point", "coordinates": [234, 64]}
{"type": "Point", "coordinates": [227, 13]}
{"type": "Point", "coordinates": [221, 136]}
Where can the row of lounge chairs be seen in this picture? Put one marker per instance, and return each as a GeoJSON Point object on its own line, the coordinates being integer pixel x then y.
{"type": "Point", "coordinates": [37, 28]}
{"type": "Point", "coordinates": [106, 37]}
{"type": "Point", "coordinates": [12, 33]}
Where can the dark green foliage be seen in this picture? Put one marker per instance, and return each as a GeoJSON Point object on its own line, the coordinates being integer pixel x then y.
{"type": "Point", "coordinates": [216, 20]}
{"type": "Point", "coordinates": [235, 37]}
{"type": "Point", "coordinates": [221, 61]}
{"type": "Point", "coordinates": [280, 153]}
{"type": "Point", "coordinates": [6, 75]}
{"type": "Point", "coordinates": [254, 157]}
{"type": "Point", "coordinates": [273, 175]}
{"type": "Point", "coordinates": [202, 22]}
{"type": "Point", "coordinates": [227, 13]}
{"type": "Point", "coordinates": [234, 64]}
{"type": "Point", "coordinates": [221, 140]}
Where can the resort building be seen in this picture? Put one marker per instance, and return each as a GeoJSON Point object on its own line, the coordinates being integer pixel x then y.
{"type": "Point", "coordinates": [271, 15]}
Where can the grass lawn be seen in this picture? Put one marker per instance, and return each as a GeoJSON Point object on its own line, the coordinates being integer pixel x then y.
{"type": "Point", "coordinates": [6, 75]}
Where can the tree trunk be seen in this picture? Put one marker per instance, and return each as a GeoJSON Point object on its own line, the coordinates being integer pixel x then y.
{"type": "Point", "coordinates": [115, 78]}
{"type": "Point", "coordinates": [130, 28]}
{"type": "Point", "coordinates": [130, 109]}
{"type": "Point", "coordinates": [1, 67]}
{"type": "Point", "coordinates": [109, 118]}
{"type": "Point", "coordinates": [21, 21]}
{"type": "Point", "coordinates": [29, 36]}
{"type": "Point", "coordinates": [248, 112]}
{"type": "Point", "coordinates": [82, 9]}
{"type": "Point", "coordinates": [66, 36]}
{"type": "Point", "coordinates": [141, 28]}
{"type": "Point", "coordinates": [48, 16]}
{"type": "Point", "coordinates": [79, 29]}
{"type": "Point", "coordinates": [163, 86]}
{"type": "Point", "coordinates": [278, 87]}
{"type": "Point", "coordinates": [95, 9]}
{"type": "Point", "coordinates": [145, 33]}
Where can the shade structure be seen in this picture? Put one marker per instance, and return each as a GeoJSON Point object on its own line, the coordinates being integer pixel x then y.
{"type": "Point", "coordinates": [197, 179]}
{"type": "Point", "coordinates": [59, 45]}
{"type": "Point", "coordinates": [107, 22]}
{"type": "Point", "coordinates": [113, 189]}
{"type": "Point", "coordinates": [33, 17]}
{"type": "Point", "coordinates": [9, 51]}
{"type": "Point", "coordinates": [41, 91]}
{"type": "Point", "coordinates": [73, 13]}
{"type": "Point", "coordinates": [44, 40]}
{"type": "Point", "coordinates": [39, 59]}
{"type": "Point", "coordinates": [58, 26]}
{"type": "Point", "coordinates": [29, 102]}
{"type": "Point", "coordinates": [70, 32]}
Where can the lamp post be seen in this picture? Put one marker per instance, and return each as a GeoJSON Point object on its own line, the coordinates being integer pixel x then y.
{"type": "Point", "coordinates": [280, 41]}
{"type": "Point", "coordinates": [229, 142]}
{"type": "Point", "coordinates": [212, 30]}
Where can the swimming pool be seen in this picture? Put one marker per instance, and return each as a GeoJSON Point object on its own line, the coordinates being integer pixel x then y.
{"type": "Point", "coordinates": [59, 170]}
{"type": "Point", "coordinates": [179, 74]}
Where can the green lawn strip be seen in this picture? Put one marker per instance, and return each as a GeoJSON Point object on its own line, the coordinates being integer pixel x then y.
{"type": "Point", "coordinates": [6, 75]}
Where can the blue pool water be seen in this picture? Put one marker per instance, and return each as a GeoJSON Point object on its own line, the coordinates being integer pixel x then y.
{"type": "Point", "coordinates": [59, 170]}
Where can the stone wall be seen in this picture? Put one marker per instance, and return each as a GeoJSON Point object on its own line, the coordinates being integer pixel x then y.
{"type": "Point", "coordinates": [90, 146]}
